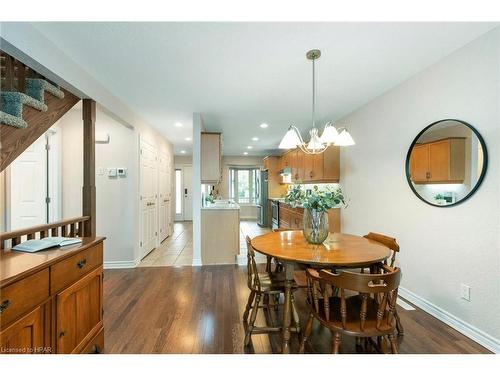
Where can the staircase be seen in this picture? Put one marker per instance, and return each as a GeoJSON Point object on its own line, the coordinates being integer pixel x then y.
{"type": "Point", "coordinates": [29, 105]}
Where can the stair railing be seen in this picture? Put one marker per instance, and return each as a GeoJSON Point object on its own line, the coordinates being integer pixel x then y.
{"type": "Point", "coordinates": [66, 228]}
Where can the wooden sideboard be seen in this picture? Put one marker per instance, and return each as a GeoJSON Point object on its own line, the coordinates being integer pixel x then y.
{"type": "Point", "coordinates": [52, 301]}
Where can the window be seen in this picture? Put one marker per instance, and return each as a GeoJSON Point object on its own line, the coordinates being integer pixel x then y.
{"type": "Point", "coordinates": [243, 185]}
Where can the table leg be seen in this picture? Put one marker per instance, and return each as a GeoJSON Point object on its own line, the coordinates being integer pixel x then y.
{"type": "Point", "coordinates": [287, 308]}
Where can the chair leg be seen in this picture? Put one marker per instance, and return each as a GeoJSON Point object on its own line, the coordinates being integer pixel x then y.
{"type": "Point", "coordinates": [399, 326]}
{"type": "Point", "coordinates": [248, 306]}
{"type": "Point", "coordinates": [337, 340]}
{"type": "Point", "coordinates": [276, 302]}
{"type": "Point", "coordinates": [252, 319]}
{"type": "Point", "coordinates": [306, 333]}
{"type": "Point", "coordinates": [394, 344]}
{"type": "Point", "coordinates": [295, 315]}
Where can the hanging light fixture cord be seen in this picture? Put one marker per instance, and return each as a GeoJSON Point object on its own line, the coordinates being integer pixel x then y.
{"type": "Point", "coordinates": [314, 95]}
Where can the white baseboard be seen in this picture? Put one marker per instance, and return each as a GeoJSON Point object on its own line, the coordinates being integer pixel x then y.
{"type": "Point", "coordinates": [196, 262]}
{"type": "Point", "coordinates": [121, 264]}
{"type": "Point", "coordinates": [474, 333]}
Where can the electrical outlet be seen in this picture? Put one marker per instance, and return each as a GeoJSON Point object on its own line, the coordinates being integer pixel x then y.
{"type": "Point", "coordinates": [465, 292]}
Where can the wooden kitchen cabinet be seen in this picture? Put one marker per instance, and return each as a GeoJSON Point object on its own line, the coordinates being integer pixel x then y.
{"type": "Point", "coordinates": [331, 164]}
{"type": "Point", "coordinates": [293, 218]}
{"type": "Point", "coordinates": [297, 165]}
{"type": "Point", "coordinates": [211, 157]}
{"type": "Point", "coordinates": [313, 167]}
{"type": "Point", "coordinates": [441, 161]}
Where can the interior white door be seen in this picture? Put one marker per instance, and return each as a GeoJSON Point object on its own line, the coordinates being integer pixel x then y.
{"type": "Point", "coordinates": [148, 197]}
{"type": "Point", "coordinates": [28, 182]}
{"type": "Point", "coordinates": [164, 194]}
{"type": "Point", "coordinates": [187, 180]}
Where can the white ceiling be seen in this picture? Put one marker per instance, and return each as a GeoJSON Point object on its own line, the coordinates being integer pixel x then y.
{"type": "Point", "coordinates": [238, 75]}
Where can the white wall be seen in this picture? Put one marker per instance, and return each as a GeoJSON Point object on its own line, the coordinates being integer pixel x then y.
{"type": "Point", "coordinates": [117, 203]}
{"type": "Point", "coordinates": [440, 247]}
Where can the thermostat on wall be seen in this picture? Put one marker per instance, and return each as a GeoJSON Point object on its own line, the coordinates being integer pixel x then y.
{"type": "Point", "coordinates": [122, 172]}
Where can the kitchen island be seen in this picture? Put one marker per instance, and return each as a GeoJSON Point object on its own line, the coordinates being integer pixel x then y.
{"type": "Point", "coordinates": [220, 233]}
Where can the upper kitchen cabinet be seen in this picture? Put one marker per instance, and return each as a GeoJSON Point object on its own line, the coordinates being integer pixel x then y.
{"type": "Point", "coordinates": [211, 157]}
{"type": "Point", "coordinates": [276, 188]}
{"type": "Point", "coordinates": [324, 167]}
{"type": "Point", "coordinates": [441, 161]}
{"type": "Point", "coordinates": [331, 164]}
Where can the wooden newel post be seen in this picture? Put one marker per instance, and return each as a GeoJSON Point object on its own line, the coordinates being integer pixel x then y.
{"type": "Point", "coordinates": [88, 191]}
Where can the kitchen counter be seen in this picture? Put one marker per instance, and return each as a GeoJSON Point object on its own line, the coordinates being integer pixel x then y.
{"type": "Point", "coordinates": [222, 206]}
{"type": "Point", "coordinates": [220, 233]}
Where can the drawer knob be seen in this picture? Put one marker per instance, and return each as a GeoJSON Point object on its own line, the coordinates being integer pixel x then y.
{"type": "Point", "coordinates": [4, 305]}
{"type": "Point", "coordinates": [62, 333]}
{"type": "Point", "coordinates": [82, 263]}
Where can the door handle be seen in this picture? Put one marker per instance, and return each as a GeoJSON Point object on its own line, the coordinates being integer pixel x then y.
{"type": "Point", "coordinates": [4, 305]}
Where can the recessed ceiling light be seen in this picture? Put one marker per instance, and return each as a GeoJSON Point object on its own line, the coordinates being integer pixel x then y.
{"type": "Point", "coordinates": [183, 151]}
{"type": "Point", "coordinates": [255, 139]}
{"type": "Point", "coordinates": [263, 125]}
{"type": "Point", "coordinates": [178, 125]}
{"type": "Point", "coordinates": [245, 153]}
{"type": "Point", "coordinates": [188, 138]}
{"type": "Point", "coordinates": [249, 147]}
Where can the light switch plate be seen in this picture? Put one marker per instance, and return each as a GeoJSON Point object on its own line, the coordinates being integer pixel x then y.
{"type": "Point", "coordinates": [122, 172]}
{"type": "Point", "coordinates": [100, 171]}
{"type": "Point", "coordinates": [465, 292]}
{"type": "Point", "coordinates": [111, 172]}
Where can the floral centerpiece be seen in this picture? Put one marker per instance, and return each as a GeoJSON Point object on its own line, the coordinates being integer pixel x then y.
{"type": "Point", "coordinates": [315, 205]}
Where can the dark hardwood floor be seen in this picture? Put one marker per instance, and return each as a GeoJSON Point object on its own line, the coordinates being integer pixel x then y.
{"type": "Point", "coordinates": [199, 310]}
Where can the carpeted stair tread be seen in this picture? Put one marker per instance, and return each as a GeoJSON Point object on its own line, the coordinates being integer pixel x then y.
{"type": "Point", "coordinates": [36, 87]}
{"type": "Point", "coordinates": [6, 119]}
{"type": "Point", "coordinates": [12, 103]}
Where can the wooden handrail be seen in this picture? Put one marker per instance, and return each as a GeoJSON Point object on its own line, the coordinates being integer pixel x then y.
{"type": "Point", "coordinates": [76, 229]}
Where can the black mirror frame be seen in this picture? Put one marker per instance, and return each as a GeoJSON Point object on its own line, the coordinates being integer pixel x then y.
{"type": "Point", "coordinates": [481, 177]}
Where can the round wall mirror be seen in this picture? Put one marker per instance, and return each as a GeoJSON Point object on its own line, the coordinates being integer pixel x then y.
{"type": "Point", "coordinates": [446, 163]}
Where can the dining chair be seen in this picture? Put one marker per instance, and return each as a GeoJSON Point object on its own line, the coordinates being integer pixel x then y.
{"type": "Point", "coordinates": [392, 244]}
{"type": "Point", "coordinates": [368, 314]}
{"type": "Point", "coordinates": [264, 284]}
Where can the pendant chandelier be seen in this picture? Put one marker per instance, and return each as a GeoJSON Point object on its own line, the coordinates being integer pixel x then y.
{"type": "Point", "coordinates": [317, 143]}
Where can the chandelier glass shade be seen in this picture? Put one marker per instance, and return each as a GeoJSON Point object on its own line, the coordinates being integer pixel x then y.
{"type": "Point", "coordinates": [317, 143]}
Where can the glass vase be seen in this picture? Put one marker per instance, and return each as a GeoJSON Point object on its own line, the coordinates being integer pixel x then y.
{"type": "Point", "coordinates": [316, 227]}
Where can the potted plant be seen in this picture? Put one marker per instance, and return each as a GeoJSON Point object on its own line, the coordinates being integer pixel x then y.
{"type": "Point", "coordinates": [316, 204]}
{"type": "Point", "coordinates": [440, 199]}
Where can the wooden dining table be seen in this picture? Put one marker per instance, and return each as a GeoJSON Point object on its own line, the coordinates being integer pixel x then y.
{"type": "Point", "coordinates": [338, 251]}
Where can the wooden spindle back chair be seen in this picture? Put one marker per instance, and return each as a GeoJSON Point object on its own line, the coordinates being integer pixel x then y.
{"type": "Point", "coordinates": [369, 313]}
{"type": "Point", "coordinates": [262, 285]}
{"type": "Point", "coordinates": [392, 244]}
{"type": "Point", "coordinates": [386, 241]}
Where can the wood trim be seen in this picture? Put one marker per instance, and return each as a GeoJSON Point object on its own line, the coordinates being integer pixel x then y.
{"type": "Point", "coordinates": [39, 228]}
{"type": "Point", "coordinates": [88, 190]}
{"type": "Point", "coordinates": [15, 141]}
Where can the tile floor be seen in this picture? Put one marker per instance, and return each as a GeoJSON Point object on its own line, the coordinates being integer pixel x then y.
{"type": "Point", "coordinates": [177, 250]}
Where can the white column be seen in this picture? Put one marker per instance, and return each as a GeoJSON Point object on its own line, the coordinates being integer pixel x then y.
{"type": "Point", "coordinates": [197, 128]}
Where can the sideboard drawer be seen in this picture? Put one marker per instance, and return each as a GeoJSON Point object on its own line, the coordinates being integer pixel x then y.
{"type": "Point", "coordinates": [22, 296]}
{"type": "Point", "coordinates": [68, 271]}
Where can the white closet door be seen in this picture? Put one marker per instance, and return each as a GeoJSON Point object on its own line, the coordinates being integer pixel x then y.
{"type": "Point", "coordinates": [148, 188]}
{"type": "Point", "coordinates": [28, 181]}
{"type": "Point", "coordinates": [164, 197]}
